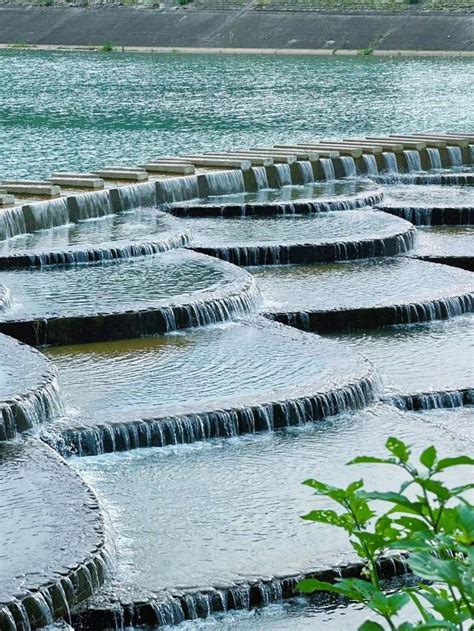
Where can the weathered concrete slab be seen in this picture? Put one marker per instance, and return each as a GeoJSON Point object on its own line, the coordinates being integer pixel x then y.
{"type": "Point", "coordinates": [460, 141]}
{"type": "Point", "coordinates": [329, 146]}
{"type": "Point", "coordinates": [256, 159]}
{"type": "Point", "coordinates": [122, 174]}
{"type": "Point", "coordinates": [389, 145]}
{"type": "Point", "coordinates": [36, 188]}
{"type": "Point", "coordinates": [418, 145]}
{"type": "Point", "coordinates": [202, 161]}
{"type": "Point", "coordinates": [6, 199]}
{"type": "Point", "coordinates": [169, 167]}
{"type": "Point", "coordinates": [301, 154]}
{"type": "Point", "coordinates": [94, 183]}
{"type": "Point", "coordinates": [311, 149]}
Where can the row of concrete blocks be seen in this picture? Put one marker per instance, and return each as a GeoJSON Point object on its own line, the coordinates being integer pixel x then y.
{"type": "Point", "coordinates": [311, 150]}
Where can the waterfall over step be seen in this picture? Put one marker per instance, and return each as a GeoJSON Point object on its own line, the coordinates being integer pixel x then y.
{"type": "Point", "coordinates": [221, 183]}
{"type": "Point", "coordinates": [12, 223]}
{"type": "Point", "coordinates": [455, 156]}
{"type": "Point", "coordinates": [261, 179]}
{"type": "Point", "coordinates": [134, 196]}
{"type": "Point", "coordinates": [413, 160]}
{"type": "Point", "coordinates": [90, 206]}
{"type": "Point", "coordinates": [328, 168]}
{"type": "Point", "coordinates": [435, 158]}
{"type": "Point", "coordinates": [178, 189]}
{"type": "Point", "coordinates": [48, 214]}
{"type": "Point", "coordinates": [306, 171]}
{"type": "Point", "coordinates": [390, 160]}
{"type": "Point", "coordinates": [370, 164]}
{"type": "Point", "coordinates": [349, 166]}
{"type": "Point", "coordinates": [283, 174]}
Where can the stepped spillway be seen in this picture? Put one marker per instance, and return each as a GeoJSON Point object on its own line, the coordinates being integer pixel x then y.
{"type": "Point", "coordinates": [452, 245]}
{"type": "Point", "coordinates": [226, 515]}
{"type": "Point", "coordinates": [155, 294]}
{"type": "Point", "coordinates": [314, 197]}
{"type": "Point", "coordinates": [29, 391]}
{"type": "Point", "coordinates": [54, 540]}
{"type": "Point", "coordinates": [430, 205]}
{"type": "Point", "coordinates": [426, 365]}
{"type": "Point", "coordinates": [220, 381]}
{"type": "Point", "coordinates": [288, 239]}
{"type": "Point", "coordinates": [364, 294]}
{"type": "Point", "coordinates": [124, 235]}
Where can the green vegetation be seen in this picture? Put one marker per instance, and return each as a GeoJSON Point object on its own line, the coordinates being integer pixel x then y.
{"type": "Point", "coordinates": [365, 51]}
{"type": "Point", "coordinates": [431, 521]}
{"type": "Point", "coordinates": [108, 47]}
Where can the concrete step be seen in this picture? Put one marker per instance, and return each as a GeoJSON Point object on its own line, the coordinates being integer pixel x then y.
{"type": "Point", "coordinates": [169, 167]}
{"type": "Point", "coordinates": [36, 188]}
{"type": "Point", "coordinates": [341, 145]}
{"type": "Point", "coordinates": [459, 141]}
{"type": "Point", "coordinates": [6, 199]}
{"type": "Point", "coordinates": [256, 159]}
{"type": "Point", "coordinates": [415, 144]}
{"type": "Point", "coordinates": [311, 149]}
{"type": "Point", "coordinates": [300, 154]}
{"type": "Point", "coordinates": [122, 173]}
{"type": "Point", "coordinates": [92, 182]}
{"type": "Point", "coordinates": [203, 161]}
{"type": "Point", "coordinates": [389, 145]}
{"type": "Point", "coordinates": [439, 144]}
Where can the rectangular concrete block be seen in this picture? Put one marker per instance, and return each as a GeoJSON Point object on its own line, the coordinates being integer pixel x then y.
{"type": "Point", "coordinates": [94, 183]}
{"type": "Point", "coordinates": [322, 153]}
{"type": "Point", "coordinates": [300, 154]}
{"type": "Point", "coordinates": [458, 141]}
{"type": "Point", "coordinates": [135, 175]}
{"type": "Point", "coordinates": [438, 144]}
{"type": "Point", "coordinates": [36, 188]}
{"type": "Point", "coordinates": [389, 145]}
{"type": "Point", "coordinates": [417, 145]}
{"type": "Point", "coordinates": [257, 160]}
{"type": "Point", "coordinates": [5, 199]}
{"type": "Point", "coordinates": [340, 148]}
{"type": "Point", "coordinates": [169, 167]}
{"type": "Point", "coordinates": [202, 161]}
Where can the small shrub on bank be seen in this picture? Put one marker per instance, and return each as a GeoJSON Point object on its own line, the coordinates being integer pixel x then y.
{"type": "Point", "coordinates": [434, 525]}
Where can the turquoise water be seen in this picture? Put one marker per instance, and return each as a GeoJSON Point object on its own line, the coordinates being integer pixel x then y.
{"type": "Point", "coordinates": [70, 110]}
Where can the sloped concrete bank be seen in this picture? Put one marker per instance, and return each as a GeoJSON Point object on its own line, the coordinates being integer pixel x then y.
{"type": "Point", "coordinates": [271, 31]}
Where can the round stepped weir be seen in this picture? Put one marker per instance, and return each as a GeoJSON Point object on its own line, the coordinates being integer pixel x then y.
{"type": "Point", "coordinates": [424, 365]}
{"type": "Point", "coordinates": [446, 244]}
{"type": "Point", "coordinates": [430, 205]}
{"type": "Point", "coordinates": [313, 198]}
{"type": "Point", "coordinates": [29, 391]}
{"type": "Point", "coordinates": [364, 294]}
{"type": "Point", "coordinates": [215, 526]}
{"type": "Point", "coordinates": [53, 529]}
{"type": "Point", "coordinates": [124, 299]}
{"type": "Point", "coordinates": [124, 235]}
{"type": "Point", "coordinates": [221, 381]}
{"type": "Point", "coordinates": [445, 179]}
{"type": "Point", "coordinates": [300, 239]}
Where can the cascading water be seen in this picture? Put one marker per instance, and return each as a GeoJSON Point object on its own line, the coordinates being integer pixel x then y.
{"type": "Point", "coordinates": [306, 171]}
{"type": "Point", "coordinates": [135, 196]}
{"type": "Point", "coordinates": [261, 179]}
{"type": "Point", "coordinates": [412, 159]}
{"type": "Point", "coordinates": [349, 166]}
{"type": "Point", "coordinates": [328, 168]}
{"type": "Point", "coordinates": [283, 174]}
{"type": "Point", "coordinates": [221, 183]}
{"type": "Point", "coordinates": [435, 158]}
{"type": "Point", "coordinates": [455, 156]}
{"type": "Point", "coordinates": [390, 160]}
{"type": "Point", "coordinates": [12, 223]}
{"type": "Point", "coordinates": [90, 206]}
{"type": "Point", "coordinates": [48, 214]}
{"type": "Point", "coordinates": [176, 189]}
{"type": "Point", "coordinates": [370, 164]}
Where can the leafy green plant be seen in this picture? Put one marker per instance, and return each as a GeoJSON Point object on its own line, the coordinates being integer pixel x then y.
{"type": "Point", "coordinates": [430, 521]}
{"type": "Point", "coordinates": [365, 51]}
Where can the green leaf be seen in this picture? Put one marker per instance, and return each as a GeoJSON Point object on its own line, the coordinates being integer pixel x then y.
{"type": "Point", "coordinates": [332, 518]}
{"type": "Point", "coordinates": [428, 457]}
{"type": "Point", "coordinates": [425, 565]}
{"type": "Point", "coordinates": [372, 460]}
{"type": "Point", "coordinates": [320, 487]}
{"type": "Point", "coordinates": [436, 487]}
{"type": "Point", "coordinates": [446, 463]}
{"type": "Point", "coordinates": [369, 625]}
{"type": "Point", "coordinates": [398, 448]}
{"type": "Point", "coordinates": [354, 486]}
{"type": "Point", "coordinates": [457, 490]}
{"type": "Point", "coordinates": [311, 585]}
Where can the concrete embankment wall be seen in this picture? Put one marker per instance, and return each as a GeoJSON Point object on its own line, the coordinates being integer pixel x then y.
{"type": "Point", "coordinates": [150, 28]}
